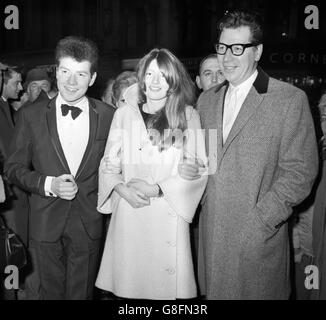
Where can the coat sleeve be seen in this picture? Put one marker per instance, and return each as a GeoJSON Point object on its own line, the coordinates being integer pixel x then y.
{"type": "Point", "coordinates": [297, 165]}
{"type": "Point", "coordinates": [183, 195]}
{"type": "Point", "coordinates": [110, 172]}
{"type": "Point", "coordinates": [18, 167]}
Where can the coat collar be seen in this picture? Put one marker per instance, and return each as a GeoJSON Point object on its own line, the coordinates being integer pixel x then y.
{"type": "Point", "coordinates": [131, 96]}
{"type": "Point", "coordinates": [260, 84]}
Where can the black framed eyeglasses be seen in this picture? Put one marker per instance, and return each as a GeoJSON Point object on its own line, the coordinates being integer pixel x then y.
{"type": "Point", "coordinates": [237, 49]}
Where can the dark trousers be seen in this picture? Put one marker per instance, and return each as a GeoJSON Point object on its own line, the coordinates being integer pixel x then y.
{"type": "Point", "coordinates": [67, 268]}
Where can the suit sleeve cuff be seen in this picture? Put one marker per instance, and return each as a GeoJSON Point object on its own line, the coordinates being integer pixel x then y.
{"type": "Point", "coordinates": [47, 187]}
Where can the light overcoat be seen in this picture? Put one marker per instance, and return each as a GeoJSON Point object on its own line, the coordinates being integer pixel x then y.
{"type": "Point", "coordinates": [267, 165]}
{"type": "Point", "coordinates": [147, 253]}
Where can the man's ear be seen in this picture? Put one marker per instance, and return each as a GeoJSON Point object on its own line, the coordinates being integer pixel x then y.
{"type": "Point", "coordinates": [198, 82]}
{"type": "Point", "coordinates": [93, 78]}
{"type": "Point", "coordinates": [259, 52]}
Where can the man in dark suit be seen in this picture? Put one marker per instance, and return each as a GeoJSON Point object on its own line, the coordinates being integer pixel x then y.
{"type": "Point", "coordinates": [55, 156]}
{"type": "Point", "coordinates": [15, 209]}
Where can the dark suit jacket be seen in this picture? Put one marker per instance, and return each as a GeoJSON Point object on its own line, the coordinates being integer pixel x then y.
{"type": "Point", "coordinates": [6, 127]}
{"type": "Point", "coordinates": [36, 153]}
{"type": "Point", "coordinates": [15, 208]}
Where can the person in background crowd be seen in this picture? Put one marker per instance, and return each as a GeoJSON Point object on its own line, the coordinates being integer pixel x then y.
{"type": "Point", "coordinates": [37, 85]}
{"type": "Point", "coordinates": [55, 155]}
{"type": "Point", "coordinates": [263, 162]}
{"type": "Point", "coordinates": [15, 209]}
{"type": "Point", "coordinates": [107, 93]}
{"type": "Point", "coordinates": [3, 67]}
{"type": "Point", "coordinates": [319, 215]}
{"type": "Point", "coordinates": [121, 83]}
{"type": "Point", "coordinates": [147, 253]}
{"type": "Point", "coordinates": [210, 73]}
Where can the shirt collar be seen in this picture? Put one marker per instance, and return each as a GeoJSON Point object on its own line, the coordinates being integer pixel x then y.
{"type": "Point", "coordinates": [4, 99]}
{"type": "Point", "coordinates": [82, 104]}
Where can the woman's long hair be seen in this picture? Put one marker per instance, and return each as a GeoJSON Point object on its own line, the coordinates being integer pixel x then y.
{"type": "Point", "coordinates": [171, 118]}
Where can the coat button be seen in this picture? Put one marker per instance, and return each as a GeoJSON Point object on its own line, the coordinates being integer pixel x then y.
{"type": "Point", "coordinates": [171, 271]}
{"type": "Point", "coordinates": [171, 243]}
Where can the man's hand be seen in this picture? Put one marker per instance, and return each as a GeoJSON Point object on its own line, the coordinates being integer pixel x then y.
{"type": "Point", "coordinates": [134, 197]}
{"type": "Point", "coordinates": [191, 167]}
{"type": "Point", "coordinates": [150, 190]}
{"type": "Point", "coordinates": [188, 171]}
{"type": "Point", "coordinates": [64, 187]}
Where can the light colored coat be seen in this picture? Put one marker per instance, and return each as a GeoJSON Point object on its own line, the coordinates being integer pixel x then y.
{"type": "Point", "coordinates": [147, 253]}
{"type": "Point", "coordinates": [267, 165]}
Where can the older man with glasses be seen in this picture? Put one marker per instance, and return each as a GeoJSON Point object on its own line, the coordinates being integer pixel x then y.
{"type": "Point", "coordinates": [263, 160]}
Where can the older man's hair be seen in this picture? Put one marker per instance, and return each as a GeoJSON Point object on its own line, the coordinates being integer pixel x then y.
{"type": "Point", "coordinates": [210, 56]}
{"type": "Point", "coordinates": [244, 18]}
{"type": "Point", "coordinates": [78, 48]}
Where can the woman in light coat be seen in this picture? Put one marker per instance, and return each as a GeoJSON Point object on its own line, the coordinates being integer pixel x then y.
{"type": "Point", "coordinates": [147, 253]}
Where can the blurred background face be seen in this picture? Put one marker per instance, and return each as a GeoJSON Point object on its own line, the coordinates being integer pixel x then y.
{"type": "Point", "coordinates": [210, 74]}
{"type": "Point", "coordinates": [121, 101]}
{"type": "Point", "coordinates": [237, 69]}
{"type": "Point", "coordinates": [35, 87]}
{"type": "Point", "coordinates": [12, 88]}
{"type": "Point", "coordinates": [323, 120]}
{"type": "Point", "coordinates": [73, 79]}
{"type": "Point", "coordinates": [156, 84]}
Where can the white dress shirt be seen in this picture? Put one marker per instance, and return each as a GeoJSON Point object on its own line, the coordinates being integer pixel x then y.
{"type": "Point", "coordinates": [73, 136]}
{"type": "Point", "coordinates": [234, 99]}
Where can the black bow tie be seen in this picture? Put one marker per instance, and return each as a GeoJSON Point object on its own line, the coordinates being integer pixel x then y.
{"type": "Point", "coordinates": [75, 111]}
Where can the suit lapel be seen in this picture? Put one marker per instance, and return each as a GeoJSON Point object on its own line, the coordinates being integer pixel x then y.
{"type": "Point", "coordinates": [93, 125]}
{"type": "Point", "coordinates": [51, 119]}
{"type": "Point", "coordinates": [4, 105]}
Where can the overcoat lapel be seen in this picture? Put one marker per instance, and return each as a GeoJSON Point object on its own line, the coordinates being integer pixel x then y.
{"type": "Point", "coordinates": [93, 125]}
{"type": "Point", "coordinates": [219, 120]}
{"type": "Point", "coordinates": [51, 119]}
{"type": "Point", "coordinates": [254, 98]}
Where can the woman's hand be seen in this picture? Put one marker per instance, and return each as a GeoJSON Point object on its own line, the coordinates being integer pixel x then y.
{"type": "Point", "coordinates": [135, 197]}
{"type": "Point", "coordinates": [150, 190]}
